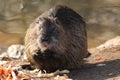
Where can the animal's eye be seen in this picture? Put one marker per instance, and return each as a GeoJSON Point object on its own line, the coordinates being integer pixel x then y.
{"type": "Point", "coordinates": [54, 29]}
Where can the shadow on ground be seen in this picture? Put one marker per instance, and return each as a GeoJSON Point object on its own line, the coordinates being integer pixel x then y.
{"type": "Point", "coordinates": [93, 72]}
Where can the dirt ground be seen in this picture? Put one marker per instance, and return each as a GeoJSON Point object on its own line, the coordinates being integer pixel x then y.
{"type": "Point", "coordinates": [103, 64]}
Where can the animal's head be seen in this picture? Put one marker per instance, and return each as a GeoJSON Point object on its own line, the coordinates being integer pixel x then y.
{"type": "Point", "coordinates": [49, 34]}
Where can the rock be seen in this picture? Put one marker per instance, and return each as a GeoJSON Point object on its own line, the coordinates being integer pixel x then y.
{"type": "Point", "coordinates": [110, 50]}
{"type": "Point", "coordinates": [110, 44]}
{"type": "Point", "coordinates": [16, 51]}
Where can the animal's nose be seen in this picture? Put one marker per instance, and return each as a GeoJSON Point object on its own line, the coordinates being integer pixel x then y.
{"type": "Point", "coordinates": [45, 39]}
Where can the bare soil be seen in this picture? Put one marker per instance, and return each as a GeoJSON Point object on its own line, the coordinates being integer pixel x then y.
{"type": "Point", "coordinates": [101, 65]}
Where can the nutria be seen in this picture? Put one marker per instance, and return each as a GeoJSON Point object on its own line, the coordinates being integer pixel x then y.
{"type": "Point", "coordinates": [57, 39]}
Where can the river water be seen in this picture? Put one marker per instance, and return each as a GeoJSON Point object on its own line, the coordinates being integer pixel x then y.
{"type": "Point", "coordinates": [102, 18]}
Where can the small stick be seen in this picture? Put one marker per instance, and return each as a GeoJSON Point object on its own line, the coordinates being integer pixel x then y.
{"type": "Point", "coordinates": [52, 74]}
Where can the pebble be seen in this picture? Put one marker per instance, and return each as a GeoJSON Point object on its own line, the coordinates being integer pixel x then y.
{"type": "Point", "coordinates": [101, 64]}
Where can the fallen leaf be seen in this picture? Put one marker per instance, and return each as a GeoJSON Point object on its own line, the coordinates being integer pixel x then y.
{"type": "Point", "coordinates": [99, 58]}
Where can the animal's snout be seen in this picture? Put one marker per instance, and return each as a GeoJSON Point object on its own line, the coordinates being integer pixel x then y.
{"type": "Point", "coordinates": [45, 39]}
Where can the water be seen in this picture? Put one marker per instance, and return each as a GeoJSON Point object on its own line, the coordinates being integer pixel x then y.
{"type": "Point", "coordinates": [102, 18]}
{"type": "Point", "coordinates": [7, 39]}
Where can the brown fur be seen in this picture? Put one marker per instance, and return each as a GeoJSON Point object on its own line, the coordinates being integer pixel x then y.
{"type": "Point", "coordinates": [66, 40]}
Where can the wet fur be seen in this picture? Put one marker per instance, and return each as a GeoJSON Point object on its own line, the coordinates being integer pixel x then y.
{"type": "Point", "coordinates": [67, 48]}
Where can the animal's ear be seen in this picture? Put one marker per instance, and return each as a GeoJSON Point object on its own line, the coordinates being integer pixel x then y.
{"type": "Point", "coordinates": [41, 20]}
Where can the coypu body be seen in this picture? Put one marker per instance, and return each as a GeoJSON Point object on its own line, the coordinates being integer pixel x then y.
{"type": "Point", "coordinates": [57, 40]}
